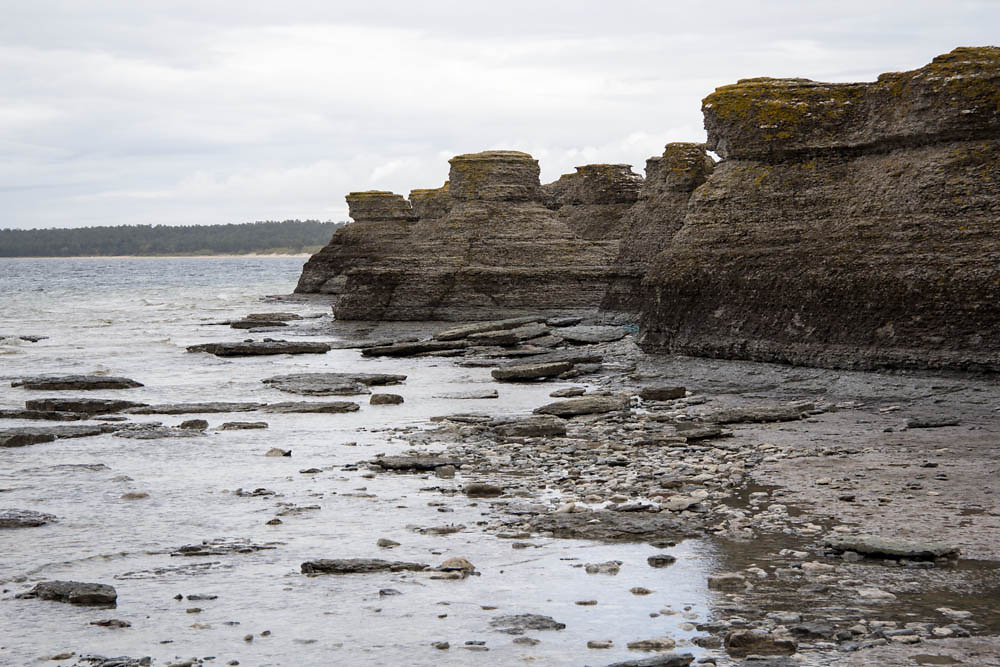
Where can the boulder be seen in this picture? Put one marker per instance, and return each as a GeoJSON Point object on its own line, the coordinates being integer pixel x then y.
{"type": "Point", "coordinates": [741, 643]}
{"type": "Point", "coordinates": [668, 660]}
{"type": "Point", "coordinates": [385, 399]}
{"type": "Point", "coordinates": [73, 592]}
{"type": "Point", "coordinates": [15, 518]}
{"type": "Point", "coordinates": [415, 463]}
{"type": "Point", "coordinates": [528, 427]}
{"type": "Point", "coordinates": [661, 393]}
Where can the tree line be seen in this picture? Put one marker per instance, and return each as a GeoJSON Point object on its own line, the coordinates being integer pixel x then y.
{"type": "Point", "coordinates": [285, 237]}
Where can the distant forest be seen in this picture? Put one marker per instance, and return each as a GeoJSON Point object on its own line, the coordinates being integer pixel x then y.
{"type": "Point", "coordinates": [270, 237]}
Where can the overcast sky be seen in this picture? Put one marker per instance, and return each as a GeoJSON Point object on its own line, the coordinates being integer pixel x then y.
{"type": "Point", "coordinates": [200, 112]}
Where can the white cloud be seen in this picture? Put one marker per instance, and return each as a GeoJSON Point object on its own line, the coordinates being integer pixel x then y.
{"type": "Point", "coordinates": [120, 112]}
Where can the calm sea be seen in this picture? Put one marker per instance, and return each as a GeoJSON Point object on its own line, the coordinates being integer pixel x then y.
{"type": "Point", "coordinates": [134, 317]}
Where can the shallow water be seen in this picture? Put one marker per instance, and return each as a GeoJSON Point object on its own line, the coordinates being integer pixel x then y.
{"type": "Point", "coordinates": [133, 317]}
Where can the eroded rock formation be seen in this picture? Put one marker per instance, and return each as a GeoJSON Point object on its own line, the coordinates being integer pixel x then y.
{"type": "Point", "coordinates": [382, 221]}
{"type": "Point", "coordinates": [491, 248]}
{"type": "Point", "coordinates": [649, 225]}
{"type": "Point", "coordinates": [848, 225]}
{"type": "Point", "coordinates": [593, 200]}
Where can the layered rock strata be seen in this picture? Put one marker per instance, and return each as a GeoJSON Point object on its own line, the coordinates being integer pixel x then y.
{"type": "Point", "coordinates": [382, 221]}
{"type": "Point", "coordinates": [649, 225]}
{"type": "Point", "coordinates": [496, 251]}
{"type": "Point", "coordinates": [593, 200]}
{"type": "Point", "coordinates": [848, 225]}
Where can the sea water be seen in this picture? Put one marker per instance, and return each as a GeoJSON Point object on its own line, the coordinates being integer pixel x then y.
{"type": "Point", "coordinates": [134, 318]}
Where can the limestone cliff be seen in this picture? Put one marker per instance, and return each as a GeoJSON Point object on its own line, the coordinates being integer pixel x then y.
{"type": "Point", "coordinates": [649, 225]}
{"type": "Point", "coordinates": [593, 200]}
{"type": "Point", "coordinates": [491, 249]}
{"type": "Point", "coordinates": [848, 225]}
{"type": "Point", "coordinates": [382, 221]}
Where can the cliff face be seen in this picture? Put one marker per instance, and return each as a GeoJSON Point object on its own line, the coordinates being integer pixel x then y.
{"type": "Point", "coordinates": [382, 221]}
{"type": "Point", "coordinates": [848, 225]}
{"type": "Point", "coordinates": [649, 225]}
{"type": "Point", "coordinates": [593, 200]}
{"type": "Point", "coordinates": [491, 249]}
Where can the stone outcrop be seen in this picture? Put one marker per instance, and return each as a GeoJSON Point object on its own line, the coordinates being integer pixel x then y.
{"type": "Point", "coordinates": [382, 220]}
{"type": "Point", "coordinates": [649, 225]}
{"type": "Point", "coordinates": [593, 200]}
{"type": "Point", "coordinates": [495, 251]}
{"type": "Point", "coordinates": [848, 225]}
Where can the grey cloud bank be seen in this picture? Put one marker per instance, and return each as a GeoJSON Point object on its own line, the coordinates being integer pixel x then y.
{"type": "Point", "coordinates": [177, 113]}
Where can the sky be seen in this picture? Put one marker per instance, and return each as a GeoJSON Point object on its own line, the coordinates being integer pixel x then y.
{"type": "Point", "coordinates": [202, 112]}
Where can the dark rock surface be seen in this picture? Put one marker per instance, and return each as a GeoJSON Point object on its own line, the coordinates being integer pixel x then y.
{"type": "Point", "coordinates": [528, 427]}
{"type": "Point", "coordinates": [73, 592]}
{"type": "Point", "coordinates": [81, 382]}
{"type": "Point", "coordinates": [359, 566]}
{"type": "Point", "coordinates": [667, 660]}
{"type": "Point", "coordinates": [261, 348]}
{"type": "Point", "coordinates": [413, 349]}
{"type": "Point", "coordinates": [848, 225]}
{"type": "Point", "coordinates": [518, 623]}
{"type": "Point", "coordinates": [43, 415]}
{"type": "Point", "coordinates": [15, 518]}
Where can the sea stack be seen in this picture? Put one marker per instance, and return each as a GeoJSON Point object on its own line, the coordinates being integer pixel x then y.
{"type": "Point", "coordinates": [847, 225]}
{"type": "Point", "coordinates": [490, 249]}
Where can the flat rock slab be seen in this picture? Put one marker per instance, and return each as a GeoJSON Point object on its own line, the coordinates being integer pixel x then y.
{"type": "Point", "coordinates": [415, 463]}
{"type": "Point", "coordinates": [157, 432]}
{"type": "Point", "coordinates": [528, 427]}
{"type": "Point", "coordinates": [742, 643]}
{"type": "Point", "coordinates": [15, 518]}
{"type": "Point", "coordinates": [583, 355]}
{"type": "Point", "coordinates": [593, 334]}
{"type": "Point", "coordinates": [931, 422]}
{"type": "Point", "coordinates": [30, 435]}
{"type": "Point", "coordinates": [242, 426]}
{"type": "Point", "coordinates": [613, 526]}
{"type": "Point", "coordinates": [470, 395]}
{"type": "Point", "coordinates": [256, 324]}
{"type": "Point", "coordinates": [260, 348]}
{"type": "Point", "coordinates": [501, 338]}
{"type": "Point", "coordinates": [43, 415]}
{"type": "Point", "coordinates": [325, 407]}
{"type": "Point", "coordinates": [662, 393]}
{"type": "Point", "coordinates": [891, 547]}
{"type": "Point", "coordinates": [518, 623]}
{"type": "Point", "coordinates": [694, 432]}
{"type": "Point", "coordinates": [359, 566]}
{"type": "Point", "coordinates": [331, 384]}
{"type": "Point", "coordinates": [412, 349]}
{"type": "Point", "coordinates": [82, 382]}
{"type": "Point", "coordinates": [74, 592]}
{"type": "Point", "coordinates": [759, 415]}
{"type": "Point", "coordinates": [585, 405]}
{"type": "Point", "coordinates": [91, 406]}
{"type": "Point", "coordinates": [482, 327]}
{"type": "Point", "coordinates": [194, 408]}
{"type": "Point", "coordinates": [223, 546]}
{"type": "Point", "coordinates": [273, 317]}
{"type": "Point", "coordinates": [522, 372]}
{"type": "Point", "coordinates": [665, 660]}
